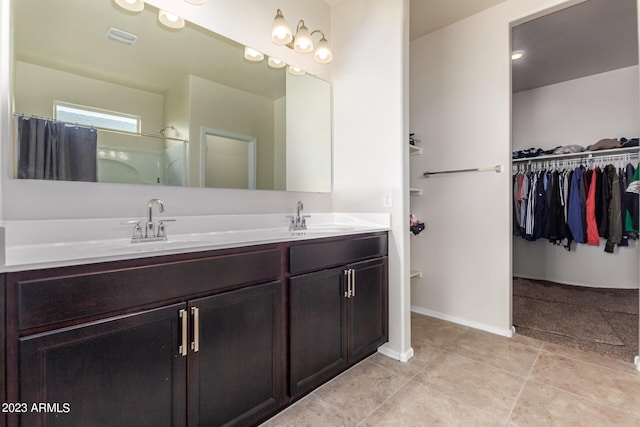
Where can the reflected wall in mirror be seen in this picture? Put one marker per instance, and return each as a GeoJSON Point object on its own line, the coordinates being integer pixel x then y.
{"type": "Point", "coordinates": [178, 83]}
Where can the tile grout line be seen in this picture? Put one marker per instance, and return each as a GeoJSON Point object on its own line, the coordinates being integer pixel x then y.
{"type": "Point", "coordinates": [524, 383]}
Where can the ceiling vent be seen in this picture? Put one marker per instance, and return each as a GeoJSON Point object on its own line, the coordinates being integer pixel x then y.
{"type": "Point", "coordinates": [121, 36]}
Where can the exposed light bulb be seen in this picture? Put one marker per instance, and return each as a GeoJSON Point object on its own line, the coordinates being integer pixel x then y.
{"type": "Point", "coordinates": [252, 54]}
{"type": "Point", "coordinates": [281, 32]}
{"type": "Point", "coordinates": [170, 20]}
{"type": "Point", "coordinates": [323, 53]}
{"type": "Point", "coordinates": [517, 54]}
{"type": "Point", "coordinates": [302, 42]}
{"type": "Point", "coordinates": [295, 71]}
{"type": "Point", "coordinates": [275, 63]}
{"type": "Point", "coordinates": [131, 5]}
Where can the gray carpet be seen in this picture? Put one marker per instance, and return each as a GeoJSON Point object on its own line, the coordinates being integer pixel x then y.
{"type": "Point", "coordinates": [600, 320]}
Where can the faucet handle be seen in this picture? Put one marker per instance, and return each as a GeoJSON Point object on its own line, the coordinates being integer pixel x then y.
{"type": "Point", "coordinates": [137, 230]}
{"type": "Point", "coordinates": [161, 232]}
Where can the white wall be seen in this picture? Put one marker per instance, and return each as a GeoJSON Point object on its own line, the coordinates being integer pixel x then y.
{"type": "Point", "coordinates": [280, 144]}
{"type": "Point", "coordinates": [370, 43]}
{"type": "Point", "coordinates": [580, 111]}
{"type": "Point", "coordinates": [246, 21]}
{"type": "Point", "coordinates": [308, 135]}
{"type": "Point", "coordinates": [224, 108]}
{"type": "Point", "coordinates": [38, 87]}
{"type": "Point", "coordinates": [460, 109]}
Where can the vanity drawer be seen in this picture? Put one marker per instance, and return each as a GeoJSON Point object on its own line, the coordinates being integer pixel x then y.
{"type": "Point", "coordinates": [61, 298]}
{"type": "Point", "coordinates": [318, 256]}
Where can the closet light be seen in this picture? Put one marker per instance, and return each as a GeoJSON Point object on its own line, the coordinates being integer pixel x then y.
{"type": "Point", "coordinates": [275, 63]}
{"type": "Point", "coordinates": [170, 20]}
{"type": "Point", "coordinates": [517, 54]}
{"type": "Point", "coordinates": [131, 5]}
{"type": "Point", "coordinates": [295, 71]}
{"type": "Point", "coordinates": [252, 54]}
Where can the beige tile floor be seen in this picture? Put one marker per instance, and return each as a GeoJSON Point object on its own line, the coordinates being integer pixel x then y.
{"type": "Point", "coordinates": [460, 376]}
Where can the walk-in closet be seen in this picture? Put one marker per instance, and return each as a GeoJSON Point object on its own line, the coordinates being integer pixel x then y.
{"type": "Point", "coordinates": [575, 124]}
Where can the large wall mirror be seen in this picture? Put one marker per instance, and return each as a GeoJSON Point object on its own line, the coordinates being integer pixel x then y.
{"type": "Point", "coordinates": [169, 106]}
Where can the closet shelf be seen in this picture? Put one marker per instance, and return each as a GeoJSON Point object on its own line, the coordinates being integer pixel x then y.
{"type": "Point", "coordinates": [585, 154]}
{"type": "Point", "coordinates": [415, 273]}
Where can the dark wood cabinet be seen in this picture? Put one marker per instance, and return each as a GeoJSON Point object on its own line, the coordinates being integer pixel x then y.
{"type": "Point", "coordinates": [123, 371]}
{"type": "Point", "coordinates": [225, 337]}
{"type": "Point", "coordinates": [338, 316]}
{"type": "Point", "coordinates": [236, 376]}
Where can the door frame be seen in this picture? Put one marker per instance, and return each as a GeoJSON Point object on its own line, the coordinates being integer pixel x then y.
{"type": "Point", "coordinates": [250, 140]}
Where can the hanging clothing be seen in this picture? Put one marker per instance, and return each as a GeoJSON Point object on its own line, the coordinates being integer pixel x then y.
{"type": "Point", "coordinates": [576, 209]}
{"type": "Point", "coordinates": [615, 217]}
{"type": "Point", "coordinates": [632, 197]}
{"type": "Point", "coordinates": [593, 238]}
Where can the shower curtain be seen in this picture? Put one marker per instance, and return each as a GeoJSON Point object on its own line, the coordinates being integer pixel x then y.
{"type": "Point", "coordinates": [52, 150]}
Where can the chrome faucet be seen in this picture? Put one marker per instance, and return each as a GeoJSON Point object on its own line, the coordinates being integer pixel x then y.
{"type": "Point", "coordinates": [151, 233]}
{"type": "Point", "coordinates": [298, 222]}
{"type": "Point", "coordinates": [149, 230]}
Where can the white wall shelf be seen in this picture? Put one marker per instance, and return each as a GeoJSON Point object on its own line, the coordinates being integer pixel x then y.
{"type": "Point", "coordinates": [414, 150]}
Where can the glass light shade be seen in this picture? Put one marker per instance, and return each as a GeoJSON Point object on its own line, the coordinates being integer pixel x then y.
{"type": "Point", "coordinates": [323, 53]}
{"type": "Point", "coordinates": [281, 32]}
{"type": "Point", "coordinates": [196, 2]}
{"type": "Point", "coordinates": [302, 42]}
{"type": "Point", "coordinates": [170, 20]}
{"type": "Point", "coordinates": [275, 63]}
{"type": "Point", "coordinates": [252, 54]}
{"type": "Point", "coordinates": [295, 71]}
{"type": "Point", "coordinates": [131, 5]}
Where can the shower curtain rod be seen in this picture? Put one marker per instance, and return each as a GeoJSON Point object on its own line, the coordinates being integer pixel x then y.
{"type": "Point", "coordinates": [497, 168]}
{"type": "Point", "coordinates": [121, 132]}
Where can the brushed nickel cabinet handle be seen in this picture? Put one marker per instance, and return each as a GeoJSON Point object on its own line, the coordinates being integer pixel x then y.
{"type": "Point", "coordinates": [195, 345]}
{"type": "Point", "coordinates": [347, 293]}
{"type": "Point", "coordinates": [353, 282]}
{"type": "Point", "coordinates": [183, 348]}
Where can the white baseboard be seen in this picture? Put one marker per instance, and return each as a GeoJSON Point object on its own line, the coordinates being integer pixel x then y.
{"type": "Point", "coordinates": [402, 357]}
{"type": "Point", "coordinates": [566, 282]}
{"type": "Point", "coordinates": [488, 328]}
{"type": "Point", "coordinates": [636, 361]}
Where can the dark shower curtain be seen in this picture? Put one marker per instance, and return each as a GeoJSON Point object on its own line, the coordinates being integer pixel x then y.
{"type": "Point", "coordinates": [56, 151]}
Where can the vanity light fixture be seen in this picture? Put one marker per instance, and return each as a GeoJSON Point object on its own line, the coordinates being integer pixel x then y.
{"type": "Point", "coordinates": [170, 20]}
{"type": "Point", "coordinates": [295, 71]}
{"type": "Point", "coordinates": [302, 42]}
{"type": "Point", "coordinates": [275, 63]}
{"type": "Point", "coordinates": [131, 5]}
{"type": "Point", "coordinates": [252, 54]}
{"type": "Point", "coordinates": [517, 54]}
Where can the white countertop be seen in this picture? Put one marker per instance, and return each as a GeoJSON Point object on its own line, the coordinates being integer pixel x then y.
{"type": "Point", "coordinates": [30, 245]}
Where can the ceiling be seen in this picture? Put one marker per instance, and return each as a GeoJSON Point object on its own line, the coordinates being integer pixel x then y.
{"type": "Point", "coordinates": [589, 38]}
{"type": "Point", "coordinates": [70, 35]}
{"type": "Point", "coordinates": [426, 16]}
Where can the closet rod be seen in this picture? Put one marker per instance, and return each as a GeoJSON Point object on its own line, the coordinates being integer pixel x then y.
{"type": "Point", "coordinates": [497, 168]}
{"type": "Point", "coordinates": [585, 154]}
{"type": "Point", "coordinates": [121, 132]}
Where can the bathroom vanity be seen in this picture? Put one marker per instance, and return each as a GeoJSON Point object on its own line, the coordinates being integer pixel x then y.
{"type": "Point", "coordinates": [214, 336]}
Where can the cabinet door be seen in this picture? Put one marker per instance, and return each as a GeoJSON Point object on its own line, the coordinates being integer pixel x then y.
{"type": "Point", "coordinates": [236, 376]}
{"type": "Point", "coordinates": [368, 308]}
{"type": "Point", "coordinates": [124, 371]}
{"type": "Point", "coordinates": [317, 333]}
